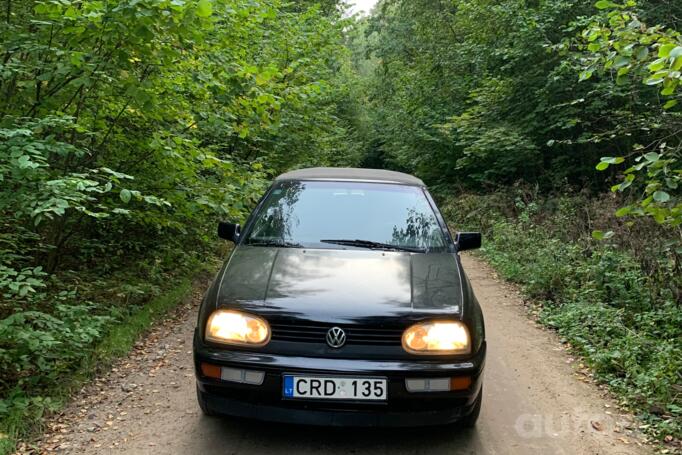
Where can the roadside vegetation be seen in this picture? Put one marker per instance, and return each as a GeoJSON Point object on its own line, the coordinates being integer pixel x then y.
{"type": "Point", "coordinates": [615, 302]}
{"type": "Point", "coordinates": [555, 128]}
{"type": "Point", "coordinates": [128, 128]}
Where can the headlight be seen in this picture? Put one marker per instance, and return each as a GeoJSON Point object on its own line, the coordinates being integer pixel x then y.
{"type": "Point", "coordinates": [234, 327]}
{"type": "Point", "coordinates": [438, 337]}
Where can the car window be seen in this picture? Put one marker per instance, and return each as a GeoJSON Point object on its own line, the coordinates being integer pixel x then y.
{"type": "Point", "coordinates": [306, 213]}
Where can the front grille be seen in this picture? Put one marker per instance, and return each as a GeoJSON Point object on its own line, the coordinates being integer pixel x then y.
{"type": "Point", "coordinates": [354, 335]}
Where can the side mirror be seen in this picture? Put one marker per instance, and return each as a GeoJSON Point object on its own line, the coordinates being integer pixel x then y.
{"type": "Point", "coordinates": [229, 231]}
{"type": "Point", "coordinates": [468, 240]}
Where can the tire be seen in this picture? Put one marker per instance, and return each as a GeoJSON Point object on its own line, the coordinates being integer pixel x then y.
{"type": "Point", "coordinates": [470, 420]}
{"type": "Point", "coordinates": [202, 404]}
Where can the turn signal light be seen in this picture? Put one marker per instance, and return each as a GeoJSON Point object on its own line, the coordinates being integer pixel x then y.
{"type": "Point", "coordinates": [210, 371]}
{"type": "Point", "coordinates": [253, 377]}
{"type": "Point", "coordinates": [460, 383]}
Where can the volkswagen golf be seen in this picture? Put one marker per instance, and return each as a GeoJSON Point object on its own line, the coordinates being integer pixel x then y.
{"type": "Point", "coordinates": [343, 302]}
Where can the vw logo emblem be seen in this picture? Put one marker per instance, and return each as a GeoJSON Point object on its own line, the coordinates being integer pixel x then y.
{"type": "Point", "coordinates": [336, 337]}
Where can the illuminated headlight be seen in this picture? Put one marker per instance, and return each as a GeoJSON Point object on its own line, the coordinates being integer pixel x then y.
{"type": "Point", "coordinates": [234, 327]}
{"type": "Point", "coordinates": [438, 337]}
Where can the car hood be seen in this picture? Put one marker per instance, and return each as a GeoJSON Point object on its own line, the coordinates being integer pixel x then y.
{"type": "Point", "coordinates": [338, 285]}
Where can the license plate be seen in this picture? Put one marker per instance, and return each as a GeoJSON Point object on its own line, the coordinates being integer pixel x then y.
{"type": "Point", "coordinates": [334, 388]}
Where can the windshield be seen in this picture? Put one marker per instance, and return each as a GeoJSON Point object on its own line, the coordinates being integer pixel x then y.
{"type": "Point", "coordinates": [339, 214]}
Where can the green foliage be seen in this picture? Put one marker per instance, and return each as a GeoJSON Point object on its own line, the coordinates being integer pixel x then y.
{"type": "Point", "coordinates": [495, 96]}
{"type": "Point", "coordinates": [619, 41]}
{"type": "Point", "coordinates": [75, 360]}
{"type": "Point", "coordinates": [37, 348]}
{"type": "Point", "coordinates": [470, 93]}
{"type": "Point", "coordinates": [483, 94]}
{"type": "Point", "coordinates": [617, 304]}
{"type": "Point", "coordinates": [128, 128]}
{"type": "Point", "coordinates": [618, 44]}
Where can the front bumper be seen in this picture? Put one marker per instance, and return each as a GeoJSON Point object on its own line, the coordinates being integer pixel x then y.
{"type": "Point", "coordinates": [402, 408]}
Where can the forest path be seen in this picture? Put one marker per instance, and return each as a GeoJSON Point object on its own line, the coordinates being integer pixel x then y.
{"type": "Point", "coordinates": [535, 401]}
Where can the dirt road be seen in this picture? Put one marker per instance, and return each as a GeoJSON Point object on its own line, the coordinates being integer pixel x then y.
{"type": "Point", "coordinates": [535, 402]}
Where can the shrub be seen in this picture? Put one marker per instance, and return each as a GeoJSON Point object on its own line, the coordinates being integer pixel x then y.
{"type": "Point", "coordinates": [615, 302]}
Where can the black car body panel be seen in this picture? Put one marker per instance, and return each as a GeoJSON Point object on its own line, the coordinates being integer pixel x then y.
{"type": "Point", "coordinates": [329, 283]}
{"type": "Point", "coordinates": [374, 295]}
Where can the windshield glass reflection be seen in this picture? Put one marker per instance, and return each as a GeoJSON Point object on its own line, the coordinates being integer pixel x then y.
{"type": "Point", "coordinates": [298, 214]}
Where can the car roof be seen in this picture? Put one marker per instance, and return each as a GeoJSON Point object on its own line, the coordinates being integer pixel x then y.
{"type": "Point", "coordinates": [348, 173]}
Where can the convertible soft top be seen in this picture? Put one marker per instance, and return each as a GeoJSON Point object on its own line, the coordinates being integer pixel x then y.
{"type": "Point", "coordinates": [348, 173]}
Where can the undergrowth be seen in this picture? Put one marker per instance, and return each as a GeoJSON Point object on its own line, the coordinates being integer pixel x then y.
{"type": "Point", "coordinates": [77, 328]}
{"type": "Point", "coordinates": [617, 302]}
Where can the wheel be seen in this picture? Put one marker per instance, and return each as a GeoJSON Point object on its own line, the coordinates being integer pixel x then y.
{"type": "Point", "coordinates": [470, 420]}
{"type": "Point", "coordinates": [202, 404]}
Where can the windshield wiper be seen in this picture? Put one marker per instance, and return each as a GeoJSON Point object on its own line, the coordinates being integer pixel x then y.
{"type": "Point", "coordinates": [273, 242]}
{"type": "Point", "coordinates": [373, 245]}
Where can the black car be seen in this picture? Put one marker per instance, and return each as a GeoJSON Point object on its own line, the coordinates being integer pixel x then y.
{"type": "Point", "coordinates": [344, 302]}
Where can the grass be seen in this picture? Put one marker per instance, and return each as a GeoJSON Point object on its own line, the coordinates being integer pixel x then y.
{"type": "Point", "coordinates": [117, 343]}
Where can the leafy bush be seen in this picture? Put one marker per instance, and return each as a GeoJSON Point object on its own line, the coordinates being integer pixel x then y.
{"type": "Point", "coordinates": [618, 307]}
{"type": "Point", "coordinates": [37, 347]}
{"type": "Point", "coordinates": [128, 128]}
